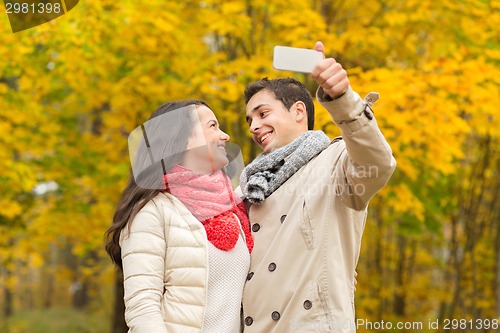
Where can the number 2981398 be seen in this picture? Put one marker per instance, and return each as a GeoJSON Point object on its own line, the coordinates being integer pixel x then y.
{"type": "Point", "coordinates": [33, 8]}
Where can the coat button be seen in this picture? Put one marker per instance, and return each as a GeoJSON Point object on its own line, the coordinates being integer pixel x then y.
{"type": "Point", "coordinates": [308, 304]}
{"type": "Point", "coordinates": [256, 227]}
{"type": "Point", "coordinates": [271, 267]}
{"type": "Point", "coordinates": [282, 218]}
{"type": "Point", "coordinates": [249, 276]}
{"type": "Point", "coordinates": [248, 321]}
{"type": "Point", "coordinates": [275, 315]}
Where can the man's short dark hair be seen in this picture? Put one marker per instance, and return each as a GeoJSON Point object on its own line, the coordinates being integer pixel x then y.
{"type": "Point", "coordinates": [286, 90]}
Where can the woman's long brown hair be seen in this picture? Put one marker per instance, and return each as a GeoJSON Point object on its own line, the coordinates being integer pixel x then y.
{"type": "Point", "coordinates": [134, 197]}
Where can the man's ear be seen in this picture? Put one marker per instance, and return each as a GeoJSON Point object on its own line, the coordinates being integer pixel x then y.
{"type": "Point", "coordinates": [300, 112]}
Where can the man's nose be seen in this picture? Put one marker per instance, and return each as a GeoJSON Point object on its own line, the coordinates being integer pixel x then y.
{"type": "Point", "coordinates": [255, 126]}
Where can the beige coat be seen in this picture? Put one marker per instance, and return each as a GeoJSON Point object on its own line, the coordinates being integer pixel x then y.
{"type": "Point", "coordinates": [307, 234]}
{"type": "Point", "coordinates": [171, 297]}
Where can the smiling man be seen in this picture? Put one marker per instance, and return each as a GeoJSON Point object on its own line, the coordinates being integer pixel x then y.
{"type": "Point", "coordinates": [293, 112]}
{"type": "Point", "coordinates": [308, 199]}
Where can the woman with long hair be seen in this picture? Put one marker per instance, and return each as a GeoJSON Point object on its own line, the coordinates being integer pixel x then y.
{"type": "Point", "coordinates": [180, 234]}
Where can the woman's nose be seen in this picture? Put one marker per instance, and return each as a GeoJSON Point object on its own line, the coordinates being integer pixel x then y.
{"type": "Point", "coordinates": [224, 136]}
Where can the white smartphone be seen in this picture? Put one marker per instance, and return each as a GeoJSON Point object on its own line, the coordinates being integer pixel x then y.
{"type": "Point", "coordinates": [295, 59]}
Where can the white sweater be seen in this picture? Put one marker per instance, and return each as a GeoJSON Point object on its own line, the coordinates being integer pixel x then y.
{"type": "Point", "coordinates": [226, 278]}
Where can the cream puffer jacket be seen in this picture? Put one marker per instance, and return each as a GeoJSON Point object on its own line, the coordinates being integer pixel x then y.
{"type": "Point", "coordinates": [165, 268]}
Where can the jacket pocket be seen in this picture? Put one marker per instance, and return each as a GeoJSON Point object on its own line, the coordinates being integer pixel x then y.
{"type": "Point", "coordinates": [306, 227]}
{"type": "Point", "coordinates": [310, 313]}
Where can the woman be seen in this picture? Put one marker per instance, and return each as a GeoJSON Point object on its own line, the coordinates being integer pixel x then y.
{"type": "Point", "coordinates": [179, 233]}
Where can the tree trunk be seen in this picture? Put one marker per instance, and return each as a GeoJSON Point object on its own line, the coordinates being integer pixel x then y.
{"type": "Point", "coordinates": [496, 281]}
{"type": "Point", "coordinates": [80, 296]}
{"type": "Point", "coordinates": [118, 322]}
{"type": "Point", "coordinates": [399, 306]}
{"type": "Point", "coordinates": [379, 254]}
{"type": "Point", "coordinates": [8, 308]}
{"type": "Point", "coordinates": [49, 291]}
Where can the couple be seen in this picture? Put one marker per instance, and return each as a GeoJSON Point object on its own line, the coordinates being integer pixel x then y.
{"type": "Point", "coordinates": [183, 237]}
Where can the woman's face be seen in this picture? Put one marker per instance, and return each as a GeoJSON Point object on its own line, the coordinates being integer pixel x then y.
{"type": "Point", "coordinates": [207, 144]}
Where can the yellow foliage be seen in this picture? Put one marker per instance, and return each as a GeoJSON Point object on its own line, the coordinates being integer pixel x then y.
{"type": "Point", "coordinates": [11, 282]}
{"type": "Point", "coordinates": [10, 209]}
{"type": "Point", "coordinates": [407, 203]}
{"type": "Point", "coordinates": [35, 260]}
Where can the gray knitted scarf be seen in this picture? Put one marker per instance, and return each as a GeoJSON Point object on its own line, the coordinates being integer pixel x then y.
{"type": "Point", "coordinates": [269, 171]}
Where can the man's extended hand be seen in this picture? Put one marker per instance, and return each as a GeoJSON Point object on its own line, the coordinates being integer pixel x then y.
{"type": "Point", "coordinates": [330, 75]}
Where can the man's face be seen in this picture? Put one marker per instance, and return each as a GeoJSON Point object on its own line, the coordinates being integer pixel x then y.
{"type": "Point", "coordinates": [271, 124]}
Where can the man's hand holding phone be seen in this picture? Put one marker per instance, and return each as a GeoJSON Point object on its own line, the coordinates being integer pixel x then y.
{"type": "Point", "coordinates": [328, 73]}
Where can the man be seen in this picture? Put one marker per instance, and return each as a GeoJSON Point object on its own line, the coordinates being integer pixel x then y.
{"type": "Point", "coordinates": [308, 200]}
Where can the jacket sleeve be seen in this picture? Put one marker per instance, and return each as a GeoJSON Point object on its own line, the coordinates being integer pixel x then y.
{"type": "Point", "coordinates": [143, 257]}
{"type": "Point", "coordinates": [367, 163]}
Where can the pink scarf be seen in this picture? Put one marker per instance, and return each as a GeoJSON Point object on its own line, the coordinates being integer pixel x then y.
{"type": "Point", "coordinates": [211, 199]}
